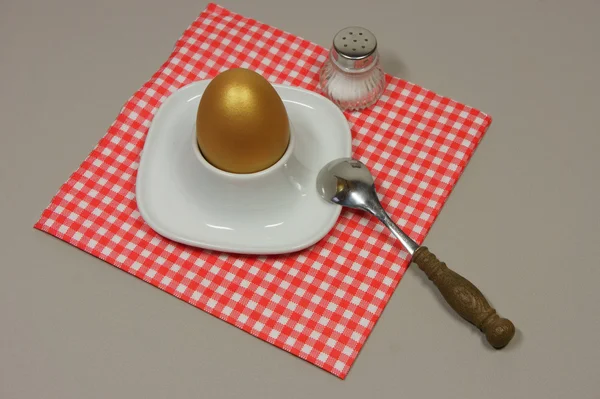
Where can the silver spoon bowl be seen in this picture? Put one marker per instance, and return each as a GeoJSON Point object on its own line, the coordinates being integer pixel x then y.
{"type": "Point", "coordinates": [349, 183]}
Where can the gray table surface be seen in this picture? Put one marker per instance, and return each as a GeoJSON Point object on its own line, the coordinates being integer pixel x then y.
{"type": "Point", "coordinates": [522, 223]}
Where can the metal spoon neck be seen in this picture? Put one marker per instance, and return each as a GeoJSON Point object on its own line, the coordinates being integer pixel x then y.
{"type": "Point", "coordinates": [408, 243]}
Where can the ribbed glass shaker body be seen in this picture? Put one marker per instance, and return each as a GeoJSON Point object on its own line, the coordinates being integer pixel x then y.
{"type": "Point", "coordinates": [352, 76]}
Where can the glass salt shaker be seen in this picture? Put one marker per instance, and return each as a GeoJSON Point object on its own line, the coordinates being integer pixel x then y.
{"type": "Point", "coordinates": [352, 76]}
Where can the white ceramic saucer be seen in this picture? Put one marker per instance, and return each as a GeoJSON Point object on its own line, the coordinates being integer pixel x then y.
{"type": "Point", "coordinates": [182, 197]}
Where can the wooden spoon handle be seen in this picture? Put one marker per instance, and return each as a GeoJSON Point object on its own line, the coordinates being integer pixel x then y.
{"type": "Point", "coordinates": [465, 299]}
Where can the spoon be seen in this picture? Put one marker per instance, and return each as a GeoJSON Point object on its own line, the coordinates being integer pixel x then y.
{"type": "Point", "coordinates": [348, 182]}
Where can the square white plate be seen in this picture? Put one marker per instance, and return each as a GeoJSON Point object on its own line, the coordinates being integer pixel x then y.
{"type": "Point", "coordinates": [181, 199]}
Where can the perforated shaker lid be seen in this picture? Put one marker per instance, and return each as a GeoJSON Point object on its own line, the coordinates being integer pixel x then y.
{"type": "Point", "coordinates": [354, 48]}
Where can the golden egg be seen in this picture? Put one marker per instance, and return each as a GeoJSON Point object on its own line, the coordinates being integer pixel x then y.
{"type": "Point", "coordinates": [242, 125]}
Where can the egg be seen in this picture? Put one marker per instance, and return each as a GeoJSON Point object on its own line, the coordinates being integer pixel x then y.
{"type": "Point", "coordinates": [242, 125]}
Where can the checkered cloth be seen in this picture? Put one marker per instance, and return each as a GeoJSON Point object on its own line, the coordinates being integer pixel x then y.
{"type": "Point", "coordinates": [321, 303]}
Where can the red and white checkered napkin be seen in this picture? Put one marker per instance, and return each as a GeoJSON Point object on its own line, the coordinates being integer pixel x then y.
{"type": "Point", "coordinates": [321, 303]}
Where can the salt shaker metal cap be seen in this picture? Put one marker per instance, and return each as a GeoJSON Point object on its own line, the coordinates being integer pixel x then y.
{"type": "Point", "coordinates": [352, 76]}
{"type": "Point", "coordinates": [354, 48]}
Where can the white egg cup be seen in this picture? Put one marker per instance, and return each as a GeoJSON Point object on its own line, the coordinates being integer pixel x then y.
{"type": "Point", "coordinates": [276, 210]}
{"type": "Point", "coordinates": [257, 188]}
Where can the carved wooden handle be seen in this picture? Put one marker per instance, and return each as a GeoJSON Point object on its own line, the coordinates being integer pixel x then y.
{"type": "Point", "coordinates": [465, 299]}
